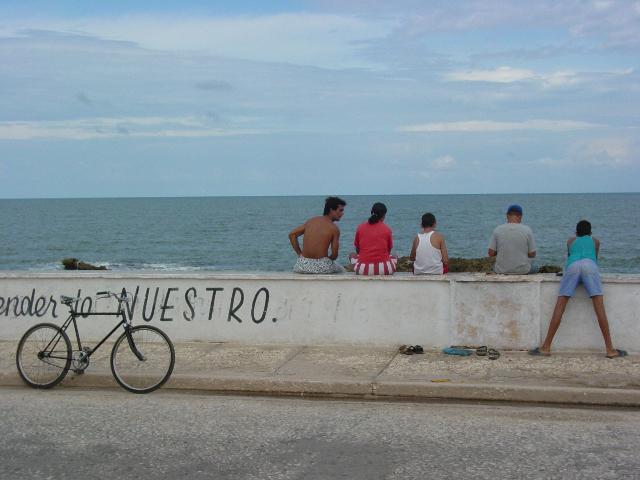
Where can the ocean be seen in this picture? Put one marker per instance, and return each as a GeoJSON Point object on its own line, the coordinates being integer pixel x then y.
{"type": "Point", "coordinates": [250, 233]}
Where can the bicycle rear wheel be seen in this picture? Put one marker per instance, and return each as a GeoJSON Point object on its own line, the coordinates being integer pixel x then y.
{"type": "Point", "coordinates": [43, 357]}
{"type": "Point", "coordinates": [158, 359]}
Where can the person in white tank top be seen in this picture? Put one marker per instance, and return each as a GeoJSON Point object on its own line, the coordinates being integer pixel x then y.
{"type": "Point", "coordinates": [429, 251]}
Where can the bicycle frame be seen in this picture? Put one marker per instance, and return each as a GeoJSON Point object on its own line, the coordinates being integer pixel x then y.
{"type": "Point", "coordinates": [73, 315]}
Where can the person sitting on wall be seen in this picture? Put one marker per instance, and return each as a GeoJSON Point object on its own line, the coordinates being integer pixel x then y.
{"type": "Point", "coordinates": [319, 233]}
{"type": "Point", "coordinates": [581, 267]}
{"type": "Point", "coordinates": [429, 251]}
{"type": "Point", "coordinates": [513, 245]}
{"type": "Point", "coordinates": [373, 243]}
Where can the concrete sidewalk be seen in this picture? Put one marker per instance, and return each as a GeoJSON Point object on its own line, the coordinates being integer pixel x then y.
{"type": "Point", "coordinates": [379, 373]}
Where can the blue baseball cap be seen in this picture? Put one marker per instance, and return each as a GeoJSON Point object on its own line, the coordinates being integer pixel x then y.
{"type": "Point", "coordinates": [515, 208]}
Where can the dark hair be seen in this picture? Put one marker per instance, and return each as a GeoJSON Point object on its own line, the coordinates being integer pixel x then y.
{"type": "Point", "coordinates": [583, 228]}
{"type": "Point", "coordinates": [332, 203]}
{"type": "Point", "coordinates": [378, 211]}
{"type": "Point", "coordinates": [428, 220]}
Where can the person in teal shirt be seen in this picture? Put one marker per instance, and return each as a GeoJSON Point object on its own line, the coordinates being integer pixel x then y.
{"type": "Point", "coordinates": [581, 267]}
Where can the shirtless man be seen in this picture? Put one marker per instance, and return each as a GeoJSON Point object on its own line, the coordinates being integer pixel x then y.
{"type": "Point", "coordinates": [319, 233]}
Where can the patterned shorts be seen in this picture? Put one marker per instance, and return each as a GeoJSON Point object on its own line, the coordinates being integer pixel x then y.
{"type": "Point", "coordinates": [317, 265]}
{"type": "Point", "coordinates": [375, 268]}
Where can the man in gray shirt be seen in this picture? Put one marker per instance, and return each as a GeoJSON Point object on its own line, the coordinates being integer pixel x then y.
{"type": "Point", "coordinates": [513, 244]}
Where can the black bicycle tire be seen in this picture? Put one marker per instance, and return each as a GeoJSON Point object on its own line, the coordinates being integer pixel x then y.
{"type": "Point", "coordinates": [155, 386]}
{"type": "Point", "coordinates": [19, 363]}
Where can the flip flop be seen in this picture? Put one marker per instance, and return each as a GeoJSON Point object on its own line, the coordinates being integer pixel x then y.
{"type": "Point", "coordinates": [493, 354]}
{"type": "Point", "coordinates": [406, 350]}
{"type": "Point", "coordinates": [418, 349]}
{"type": "Point", "coordinates": [456, 351]}
{"type": "Point", "coordinates": [621, 353]}
{"type": "Point", "coordinates": [537, 352]}
{"type": "Point", "coordinates": [481, 351]}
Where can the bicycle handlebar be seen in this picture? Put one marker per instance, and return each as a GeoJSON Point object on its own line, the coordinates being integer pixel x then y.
{"type": "Point", "coordinates": [123, 297]}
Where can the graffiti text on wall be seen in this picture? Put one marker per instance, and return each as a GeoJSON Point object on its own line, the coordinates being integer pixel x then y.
{"type": "Point", "coordinates": [163, 304]}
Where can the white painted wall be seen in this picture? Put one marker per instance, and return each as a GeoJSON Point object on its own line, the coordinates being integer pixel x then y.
{"type": "Point", "coordinates": [508, 312]}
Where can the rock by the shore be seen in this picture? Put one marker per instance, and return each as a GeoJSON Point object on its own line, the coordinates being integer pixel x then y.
{"type": "Point", "coordinates": [550, 269]}
{"type": "Point", "coordinates": [455, 264]}
{"type": "Point", "coordinates": [482, 265]}
{"type": "Point", "coordinates": [75, 264]}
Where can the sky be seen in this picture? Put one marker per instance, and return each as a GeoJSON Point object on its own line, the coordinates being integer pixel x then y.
{"type": "Point", "coordinates": [128, 98]}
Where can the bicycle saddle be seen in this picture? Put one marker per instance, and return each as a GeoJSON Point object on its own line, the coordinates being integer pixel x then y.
{"type": "Point", "coordinates": [66, 300]}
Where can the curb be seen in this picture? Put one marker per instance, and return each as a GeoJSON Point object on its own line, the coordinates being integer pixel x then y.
{"type": "Point", "coordinates": [407, 391]}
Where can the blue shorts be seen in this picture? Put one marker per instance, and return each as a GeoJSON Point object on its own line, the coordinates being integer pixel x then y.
{"type": "Point", "coordinates": [583, 271]}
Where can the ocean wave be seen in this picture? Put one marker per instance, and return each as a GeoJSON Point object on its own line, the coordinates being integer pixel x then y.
{"type": "Point", "coordinates": [120, 267]}
{"type": "Point", "coordinates": [158, 267]}
{"type": "Point", "coordinates": [45, 267]}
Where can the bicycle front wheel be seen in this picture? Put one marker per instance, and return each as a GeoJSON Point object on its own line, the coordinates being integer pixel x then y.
{"type": "Point", "coordinates": [43, 357]}
{"type": "Point", "coordinates": [152, 369]}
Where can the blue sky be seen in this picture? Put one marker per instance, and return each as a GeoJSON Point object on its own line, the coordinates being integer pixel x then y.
{"type": "Point", "coordinates": [137, 98]}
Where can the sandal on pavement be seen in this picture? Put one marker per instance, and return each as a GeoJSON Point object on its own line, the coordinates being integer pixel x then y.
{"type": "Point", "coordinates": [406, 350]}
{"type": "Point", "coordinates": [457, 351]}
{"type": "Point", "coordinates": [481, 351]}
{"type": "Point", "coordinates": [493, 354]}
{"type": "Point", "coordinates": [620, 353]}
{"type": "Point", "coordinates": [537, 352]}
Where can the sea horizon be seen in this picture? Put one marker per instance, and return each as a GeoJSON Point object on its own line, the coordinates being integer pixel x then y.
{"type": "Point", "coordinates": [314, 195]}
{"type": "Point", "coordinates": [249, 233]}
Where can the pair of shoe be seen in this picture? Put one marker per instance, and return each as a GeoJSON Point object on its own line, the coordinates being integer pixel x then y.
{"type": "Point", "coordinates": [537, 352]}
{"type": "Point", "coordinates": [410, 349]}
{"type": "Point", "coordinates": [492, 353]}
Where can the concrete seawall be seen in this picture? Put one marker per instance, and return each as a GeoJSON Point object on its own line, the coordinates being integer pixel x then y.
{"type": "Point", "coordinates": [507, 312]}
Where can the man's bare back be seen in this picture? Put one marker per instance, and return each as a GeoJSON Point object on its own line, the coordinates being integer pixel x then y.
{"type": "Point", "coordinates": [320, 233]}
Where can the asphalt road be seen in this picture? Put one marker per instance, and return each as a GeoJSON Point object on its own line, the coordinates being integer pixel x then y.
{"type": "Point", "coordinates": [111, 434]}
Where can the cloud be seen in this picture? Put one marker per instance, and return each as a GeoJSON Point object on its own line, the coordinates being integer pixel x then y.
{"type": "Point", "coordinates": [610, 152]}
{"type": "Point", "coordinates": [613, 152]}
{"type": "Point", "coordinates": [437, 166]}
{"type": "Point", "coordinates": [499, 75]}
{"type": "Point", "coordinates": [505, 74]}
{"type": "Point", "coordinates": [101, 128]}
{"type": "Point", "coordinates": [324, 40]}
{"type": "Point", "coordinates": [490, 126]}
{"type": "Point", "coordinates": [446, 162]}
{"type": "Point", "coordinates": [614, 24]}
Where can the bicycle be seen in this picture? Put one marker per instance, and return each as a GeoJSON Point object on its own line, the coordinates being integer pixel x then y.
{"type": "Point", "coordinates": [142, 358]}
